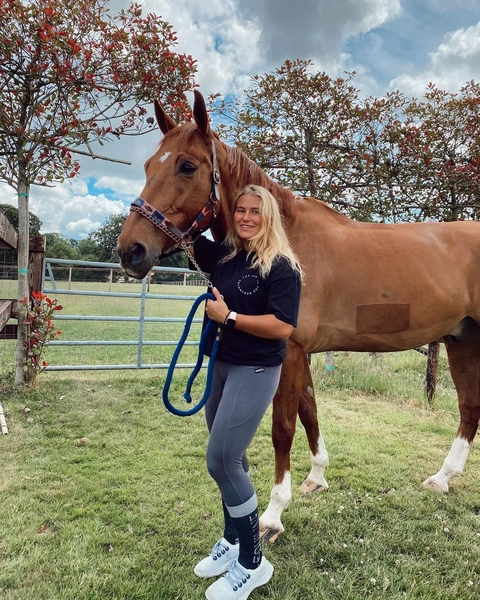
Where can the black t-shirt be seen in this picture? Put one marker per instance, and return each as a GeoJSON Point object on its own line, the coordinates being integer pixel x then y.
{"type": "Point", "coordinates": [247, 293]}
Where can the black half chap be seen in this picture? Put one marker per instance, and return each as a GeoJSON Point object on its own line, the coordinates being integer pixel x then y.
{"type": "Point", "coordinates": [239, 398]}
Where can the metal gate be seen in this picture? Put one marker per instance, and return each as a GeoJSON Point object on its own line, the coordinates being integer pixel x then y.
{"type": "Point", "coordinates": [50, 285]}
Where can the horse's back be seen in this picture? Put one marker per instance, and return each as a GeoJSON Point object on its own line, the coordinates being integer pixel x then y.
{"type": "Point", "coordinates": [377, 286]}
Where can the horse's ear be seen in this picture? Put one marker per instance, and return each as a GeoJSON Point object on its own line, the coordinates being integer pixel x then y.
{"type": "Point", "coordinates": [200, 114]}
{"type": "Point", "coordinates": [164, 121]}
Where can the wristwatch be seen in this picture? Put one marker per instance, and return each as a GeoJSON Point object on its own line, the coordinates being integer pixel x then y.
{"type": "Point", "coordinates": [231, 319]}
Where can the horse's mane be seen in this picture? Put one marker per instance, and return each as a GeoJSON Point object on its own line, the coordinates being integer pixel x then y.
{"type": "Point", "coordinates": [242, 169]}
{"type": "Point", "coordinates": [245, 171]}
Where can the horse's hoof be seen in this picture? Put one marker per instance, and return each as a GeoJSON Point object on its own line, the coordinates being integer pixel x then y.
{"type": "Point", "coordinates": [431, 484]}
{"type": "Point", "coordinates": [309, 486]}
{"type": "Point", "coordinates": [269, 535]}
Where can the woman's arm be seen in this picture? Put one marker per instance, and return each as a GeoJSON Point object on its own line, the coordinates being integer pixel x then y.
{"type": "Point", "coordinates": [264, 326]}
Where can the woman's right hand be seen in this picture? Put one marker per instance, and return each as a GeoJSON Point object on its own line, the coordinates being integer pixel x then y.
{"type": "Point", "coordinates": [217, 310]}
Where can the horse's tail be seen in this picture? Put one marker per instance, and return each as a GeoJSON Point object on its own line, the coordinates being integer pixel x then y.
{"type": "Point", "coordinates": [432, 370]}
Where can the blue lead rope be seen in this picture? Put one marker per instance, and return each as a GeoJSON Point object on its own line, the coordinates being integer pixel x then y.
{"type": "Point", "coordinates": [198, 366]}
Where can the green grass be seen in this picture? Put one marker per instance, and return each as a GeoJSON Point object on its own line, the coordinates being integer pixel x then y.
{"type": "Point", "coordinates": [105, 494]}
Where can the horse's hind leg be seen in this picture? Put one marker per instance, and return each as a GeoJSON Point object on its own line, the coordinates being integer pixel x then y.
{"type": "Point", "coordinates": [285, 409]}
{"type": "Point", "coordinates": [307, 411]}
{"type": "Point", "coordinates": [464, 361]}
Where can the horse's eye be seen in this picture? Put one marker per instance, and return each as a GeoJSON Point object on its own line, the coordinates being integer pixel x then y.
{"type": "Point", "coordinates": [187, 168]}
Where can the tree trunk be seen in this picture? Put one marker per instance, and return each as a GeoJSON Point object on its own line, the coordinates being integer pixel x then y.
{"type": "Point", "coordinates": [23, 284]}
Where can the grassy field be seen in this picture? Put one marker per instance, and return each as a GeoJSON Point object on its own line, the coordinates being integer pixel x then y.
{"type": "Point", "coordinates": [105, 494]}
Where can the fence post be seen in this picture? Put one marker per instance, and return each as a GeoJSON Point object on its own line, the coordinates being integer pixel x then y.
{"type": "Point", "coordinates": [36, 249]}
{"type": "Point", "coordinates": [8, 309]}
{"type": "Point", "coordinates": [329, 362]}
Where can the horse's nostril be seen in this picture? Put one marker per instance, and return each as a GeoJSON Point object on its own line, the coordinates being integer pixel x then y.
{"type": "Point", "coordinates": [138, 254]}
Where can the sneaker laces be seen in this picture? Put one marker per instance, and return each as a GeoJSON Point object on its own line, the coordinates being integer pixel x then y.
{"type": "Point", "coordinates": [236, 576]}
{"type": "Point", "coordinates": [219, 550]}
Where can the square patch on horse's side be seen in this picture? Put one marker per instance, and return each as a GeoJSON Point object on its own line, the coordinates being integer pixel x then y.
{"type": "Point", "coordinates": [382, 318]}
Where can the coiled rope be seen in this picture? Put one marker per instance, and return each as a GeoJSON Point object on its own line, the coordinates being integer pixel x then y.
{"type": "Point", "coordinates": [198, 366]}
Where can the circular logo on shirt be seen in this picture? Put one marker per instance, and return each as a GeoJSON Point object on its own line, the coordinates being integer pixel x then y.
{"type": "Point", "coordinates": [248, 284]}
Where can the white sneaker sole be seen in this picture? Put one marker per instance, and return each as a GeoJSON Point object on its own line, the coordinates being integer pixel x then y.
{"type": "Point", "coordinates": [265, 578]}
{"type": "Point", "coordinates": [214, 572]}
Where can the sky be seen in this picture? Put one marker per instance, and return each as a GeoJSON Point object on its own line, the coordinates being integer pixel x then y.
{"type": "Point", "coordinates": [390, 44]}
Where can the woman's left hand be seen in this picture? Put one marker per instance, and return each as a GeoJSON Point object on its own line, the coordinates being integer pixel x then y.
{"type": "Point", "coordinates": [217, 310]}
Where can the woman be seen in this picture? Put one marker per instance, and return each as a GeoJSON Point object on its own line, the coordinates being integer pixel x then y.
{"type": "Point", "coordinates": [257, 281]}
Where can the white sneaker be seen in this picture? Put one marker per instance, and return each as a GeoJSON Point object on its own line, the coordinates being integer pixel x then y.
{"type": "Point", "coordinates": [238, 582]}
{"type": "Point", "coordinates": [219, 559]}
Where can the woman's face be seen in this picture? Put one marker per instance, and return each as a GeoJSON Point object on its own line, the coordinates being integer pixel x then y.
{"type": "Point", "coordinates": [247, 219]}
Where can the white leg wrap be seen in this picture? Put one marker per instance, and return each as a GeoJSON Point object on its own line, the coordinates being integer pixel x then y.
{"type": "Point", "coordinates": [453, 465]}
{"type": "Point", "coordinates": [319, 464]}
{"type": "Point", "coordinates": [279, 500]}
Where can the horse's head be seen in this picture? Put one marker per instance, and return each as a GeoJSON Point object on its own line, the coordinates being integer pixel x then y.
{"type": "Point", "coordinates": [180, 183]}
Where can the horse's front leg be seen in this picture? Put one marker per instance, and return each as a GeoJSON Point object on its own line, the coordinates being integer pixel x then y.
{"type": "Point", "coordinates": [285, 408]}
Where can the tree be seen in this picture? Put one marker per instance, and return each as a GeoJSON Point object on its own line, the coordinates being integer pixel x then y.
{"type": "Point", "coordinates": [72, 75]}
{"type": "Point", "coordinates": [293, 123]}
{"type": "Point", "coordinates": [59, 246]}
{"type": "Point", "coordinates": [105, 239]}
{"type": "Point", "coordinates": [378, 159]}
{"type": "Point", "coordinates": [441, 149]}
{"type": "Point", "coordinates": [313, 134]}
{"type": "Point", "coordinates": [11, 212]}
{"type": "Point", "coordinates": [371, 170]}
{"type": "Point", "coordinates": [87, 249]}
{"type": "Point", "coordinates": [106, 236]}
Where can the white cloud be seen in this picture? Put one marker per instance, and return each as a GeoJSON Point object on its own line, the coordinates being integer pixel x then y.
{"type": "Point", "coordinates": [68, 209]}
{"type": "Point", "coordinates": [216, 34]}
{"type": "Point", "coordinates": [124, 188]}
{"type": "Point", "coordinates": [315, 29]}
{"type": "Point", "coordinates": [77, 229]}
{"type": "Point", "coordinates": [235, 39]}
{"type": "Point", "coordinates": [456, 61]}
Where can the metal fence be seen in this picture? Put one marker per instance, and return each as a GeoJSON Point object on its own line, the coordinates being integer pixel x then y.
{"type": "Point", "coordinates": [49, 284]}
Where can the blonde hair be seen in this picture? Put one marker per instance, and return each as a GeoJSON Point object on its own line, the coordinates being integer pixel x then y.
{"type": "Point", "coordinates": [270, 242]}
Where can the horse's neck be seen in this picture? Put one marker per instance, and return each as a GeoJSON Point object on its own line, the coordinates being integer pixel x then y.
{"type": "Point", "coordinates": [239, 171]}
{"type": "Point", "coordinates": [242, 171]}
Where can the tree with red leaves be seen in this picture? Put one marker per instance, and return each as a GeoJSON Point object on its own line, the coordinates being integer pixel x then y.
{"type": "Point", "coordinates": [392, 158]}
{"type": "Point", "coordinates": [72, 75]}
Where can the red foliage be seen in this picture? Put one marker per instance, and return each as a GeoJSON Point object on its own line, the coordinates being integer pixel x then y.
{"type": "Point", "coordinates": [89, 76]}
{"type": "Point", "coordinates": [41, 330]}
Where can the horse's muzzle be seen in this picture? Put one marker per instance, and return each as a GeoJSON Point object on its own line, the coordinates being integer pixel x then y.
{"type": "Point", "coordinates": [134, 261]}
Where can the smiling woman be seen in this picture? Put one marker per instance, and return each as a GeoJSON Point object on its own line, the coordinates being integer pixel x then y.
{"type": "Point", "coordinates": [257, 300]}
{"type": "Point", "coordinates": [247, 218]}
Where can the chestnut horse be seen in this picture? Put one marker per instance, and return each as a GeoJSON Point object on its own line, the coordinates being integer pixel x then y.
{"type": "Point", "coordinates": [369, 287]}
